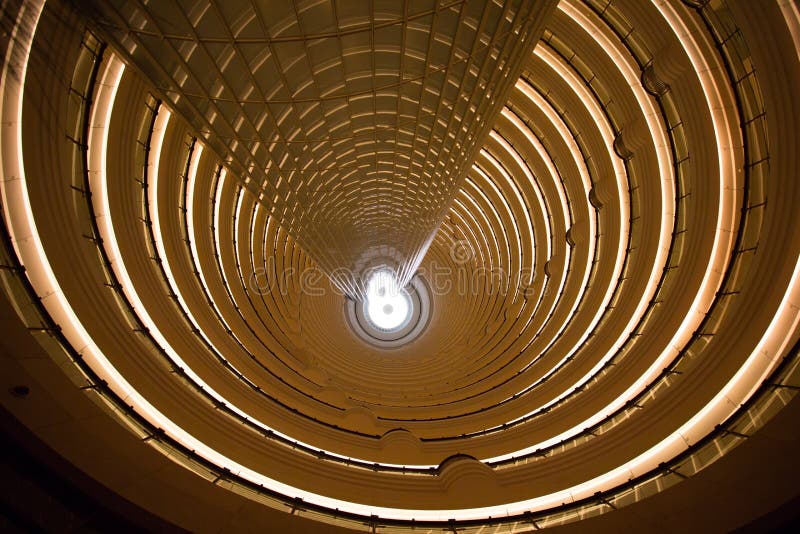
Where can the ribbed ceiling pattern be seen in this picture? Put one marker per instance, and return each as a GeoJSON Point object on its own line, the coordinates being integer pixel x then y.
{"type": "Point", "coordinates": [353, 122]}
{"type": "Point", "coordinates": [613, 288]}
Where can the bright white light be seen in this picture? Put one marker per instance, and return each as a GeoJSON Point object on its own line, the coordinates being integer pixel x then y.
{"type": "Point", "coordinates": [387, 306]}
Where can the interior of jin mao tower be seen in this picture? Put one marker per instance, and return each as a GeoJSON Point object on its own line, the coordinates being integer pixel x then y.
{"type": "Point", "coordinates": [396, 266]}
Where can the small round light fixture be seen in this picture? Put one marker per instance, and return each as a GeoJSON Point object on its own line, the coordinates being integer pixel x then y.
{"type": "Point", "coordinates": [390, 316]}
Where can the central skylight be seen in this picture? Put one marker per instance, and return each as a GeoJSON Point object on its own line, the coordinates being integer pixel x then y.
{"type": "Point", "coordinates": [387, 306]}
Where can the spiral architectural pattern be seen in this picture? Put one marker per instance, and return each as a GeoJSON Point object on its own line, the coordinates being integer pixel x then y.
{"type": "Point", "coordinates": [613, 293]}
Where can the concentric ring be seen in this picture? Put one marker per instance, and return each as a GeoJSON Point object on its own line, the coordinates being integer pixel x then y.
{"type": "Point", "coordinates": [610, 305]}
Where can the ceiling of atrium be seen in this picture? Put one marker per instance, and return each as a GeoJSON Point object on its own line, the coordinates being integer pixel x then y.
{"type": "Point", "coordinates": [593, 203]}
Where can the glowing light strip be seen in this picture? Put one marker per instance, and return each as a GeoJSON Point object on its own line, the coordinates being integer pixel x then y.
{"type": "Point", "coordinates": [98, 147]}
{"type": "Point", "coordinates": [154, 160]}
{"type": "Point", "coordinates": [215, 222]}
{"type": "Point", "coordinates": [521, 201]}
{"type": "Point", "coordinates": [555, 120]}
{"type": "Point", "coordinates": [98, 156]}
{"type": "Point", "coordinates": [536, 190]}
{"type": "Point", "coordinates": [236, 217]}
{"type": "Point", "coordinates": [156, 149]}
{"type": "Point", "coordinates": [791, 15]}
{"type": "Point", "coordinates": [252, 244]}
{"type": "Point", "coordinates": [561, 287]}
{"type": "Point", "coordinates": [660, 362]}
{"type": "Point", "coordinates": [602, 124]}
{"type": "Point", "coordinates": [489, 240]}
{"type": "Point", "coordinates": [190, 187]}
{"type": "Point", "coordinates": [524, 209]}
{"type": "Point", "coordinates": [572, 144]}
{"type": "Point", "coordinates": [553, 172]}
{"type": "Point", "coordinates": [566, 136]}
{"type": "Point", "coordinates": [473, 230]}
{"type": "Point", "coordinates": [493, 211]}
{"type": "Point", "coordinates": [218, 250]}
{"type": "Point", "coordinates": [11, 91]}
{"type": "Point", "coordinates": [534, 142]}
{"type": "Point", "coordinates": [157, 140]}
{"type": "Point", "coordinates": [30, 249]}
{"type": "Point", "coordinates": [605, 131]}
{"type": "Point", "coordinates": [543, 207]}
{"type": "Point", "coordinates": [723, 117]}
{"type": "Point", "coordinates": [514, 240]}
{"type": "Point", "coordinates": [674, 442]}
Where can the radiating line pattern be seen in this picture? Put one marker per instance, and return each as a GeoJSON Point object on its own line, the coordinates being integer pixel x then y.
{"type": "Point", "coordinates": [354, 123]}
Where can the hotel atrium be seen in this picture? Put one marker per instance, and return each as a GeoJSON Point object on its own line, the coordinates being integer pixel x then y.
{"type": "Point", "coordinates": [398, 266]}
